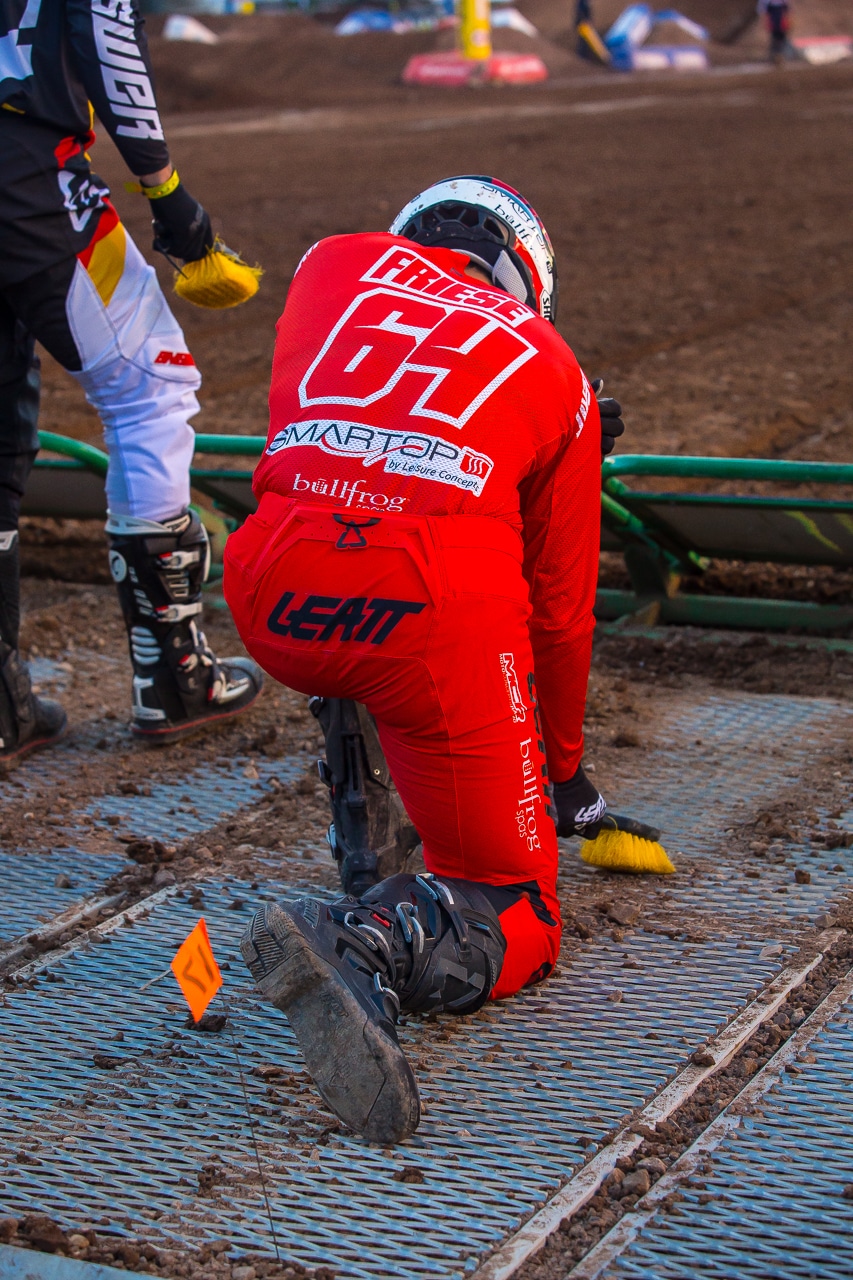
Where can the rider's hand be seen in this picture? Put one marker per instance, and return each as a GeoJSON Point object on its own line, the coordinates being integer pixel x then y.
{"type": "Point", "coordinates": [609, 410]}
{"type": "Point", "coordinates": [580, 808]}
{"type": "Point", "coordinates": [181, 225]}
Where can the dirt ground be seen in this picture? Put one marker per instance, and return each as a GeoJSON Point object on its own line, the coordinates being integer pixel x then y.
{"type": "Point", "coordinates": [297, 61]}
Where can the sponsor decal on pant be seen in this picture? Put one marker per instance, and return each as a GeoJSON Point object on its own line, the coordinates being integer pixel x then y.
{"type": "Point", "coordinates": [346, 493]}
{"type": "Point", "coordinates": [356, 618]}
{"type": "Point", "coordinates": [82, 193]}
{"type": "Point", "coordinates": [404, 453]}
{"type": "Point", "coordinates": [516, 702]}
{"type": "Point", "coordinates": [531, 796]}
{"type": "Point", "coordinates": [174, 357]}
{"type": "Point", "coordinates": [540, 742]}
{"type": "Point", "coordinates": [535, 787]}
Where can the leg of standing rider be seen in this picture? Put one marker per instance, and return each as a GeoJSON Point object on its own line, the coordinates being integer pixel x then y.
{"type": "Point", "coordinates": [103, 316]}
{"type": "Point", "coordinates": [26, 721]}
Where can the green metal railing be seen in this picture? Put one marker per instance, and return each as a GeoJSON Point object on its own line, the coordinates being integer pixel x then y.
{"type": "Point", "coordinates": [249, 446]}
{"type": "Point", "coordinates": [655, 558]}
{"type": "Point", "coordinates": [699, 468]}
{"type": "Point", "coordinates": [83, 455]}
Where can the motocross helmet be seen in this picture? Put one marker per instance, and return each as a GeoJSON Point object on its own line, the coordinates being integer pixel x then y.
{"type": "Point", "coordinates": [496, 227]}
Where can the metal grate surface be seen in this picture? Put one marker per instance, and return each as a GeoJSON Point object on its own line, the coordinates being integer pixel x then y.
{"type": "Point", "coordinates": [172, 811]}
{"type": "Point", "coordinates": [514, 1097]}
{"type": "Point", "coordinates": [776, 1187]}
{"type": "Point", "coordinates": [30, 894]}
{"type": "Point", "coordinates": [198, 800]}
{"type": "Point", "coordinates": [714, 764]}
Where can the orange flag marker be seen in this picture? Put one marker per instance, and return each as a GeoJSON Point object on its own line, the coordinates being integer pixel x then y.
{"type": "Point", "coordinates": [196, 970]}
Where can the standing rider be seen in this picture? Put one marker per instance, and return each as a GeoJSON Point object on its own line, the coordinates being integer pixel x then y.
{"type": "Point", "coordinates": [426, 544]}
{"type": "Point", "coordinates": [72, 279]}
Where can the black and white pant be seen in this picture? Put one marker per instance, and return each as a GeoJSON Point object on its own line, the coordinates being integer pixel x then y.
{"type": "Point", "coordinates": [72, 279]}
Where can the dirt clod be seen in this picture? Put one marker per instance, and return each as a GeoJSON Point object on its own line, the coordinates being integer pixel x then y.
{"type": "Point", "coordinates": [146, 852]}
{"type": "Point", "coordinates": [267, 1071]}
{"type": "Point", "coordinates": [636, 1183]}
{"type": "Point", "coordinates": [211, 1023]}
{"type": "Point", "coordinates": [42, 1232]}
{"type": "Point", "coordinates": [106, 1061]}
{"type": "Point", "coordinates": [624, 913]}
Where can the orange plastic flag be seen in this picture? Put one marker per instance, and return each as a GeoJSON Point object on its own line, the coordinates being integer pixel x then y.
{"type": "Point", "coordinates": [196, 970]}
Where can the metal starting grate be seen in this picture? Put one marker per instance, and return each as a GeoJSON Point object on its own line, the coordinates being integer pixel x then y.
{"type": "Point", "coordinates": [34, 888]}
{"type": "Point", "coordinates": [31, 895]}
{"type": "Point", "coordinates": [515, 1098]}
{"type": "Point", "coordinates": [714, 764]}
{"type": "Point", "coordinates": [198, 801]}
{"type": "Point", "coordinates": [773, 1204]}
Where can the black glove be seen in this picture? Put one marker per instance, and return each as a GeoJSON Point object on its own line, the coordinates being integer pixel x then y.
{"type": "Point", "coordinates": [609, 410]}
{"type": "Point", "coordinates": [181, 226]}
{"type": "Point", "coordinates": [580, 808]}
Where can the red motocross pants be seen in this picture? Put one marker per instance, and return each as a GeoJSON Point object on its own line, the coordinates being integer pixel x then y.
{"type": "Point", "coordinates": [424, 621]}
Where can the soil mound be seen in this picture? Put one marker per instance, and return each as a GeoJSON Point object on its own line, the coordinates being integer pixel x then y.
{"type": "Point", "coordinates": [291, 61]}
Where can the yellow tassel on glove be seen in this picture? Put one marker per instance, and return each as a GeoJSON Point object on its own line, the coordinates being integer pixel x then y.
{"type": "Point", "coordinates": [625, 845]}
{"type": "Point", "coordinates": [220, 279]}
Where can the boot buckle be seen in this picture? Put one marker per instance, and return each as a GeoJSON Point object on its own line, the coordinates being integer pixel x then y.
{"type": "Point", "coordinates": [381, 990]}
{"type": "Point", "coordinates": [412, 930]}
{"type": "Point", "coordinates": [440, 893]}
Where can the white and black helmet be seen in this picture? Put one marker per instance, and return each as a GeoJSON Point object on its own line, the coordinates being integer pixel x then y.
{"type": "Point", "coordinates": [495, 226]}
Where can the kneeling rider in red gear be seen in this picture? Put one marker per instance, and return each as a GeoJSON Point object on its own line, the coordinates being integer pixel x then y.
{"type": "Point", "coordinates": [426, 544]}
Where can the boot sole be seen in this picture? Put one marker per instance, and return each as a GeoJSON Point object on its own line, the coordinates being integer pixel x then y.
{"type": "Point", "coordinates": [174, 733]}
{"type": "Point", "coordinates": [362, 1074]}
{"type": "Point", "coordinates": [13, 759]}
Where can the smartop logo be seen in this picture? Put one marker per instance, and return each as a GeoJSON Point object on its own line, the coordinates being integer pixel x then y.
{"type": "Point", "coordinates": [408, 453]}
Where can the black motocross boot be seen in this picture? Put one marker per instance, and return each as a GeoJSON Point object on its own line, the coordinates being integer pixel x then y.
{"type": "Point", "coordinates": [27, 722]}
{"type": "Point", "coordinates": [179, 686]}
{"type": "Point", "coordinates": [371, 836]}
{"type": "Point", "coordinates": [343, 971]}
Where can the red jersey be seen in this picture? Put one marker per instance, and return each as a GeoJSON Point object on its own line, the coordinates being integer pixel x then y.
{"type": "Point", "coordinates": [402, 385]}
